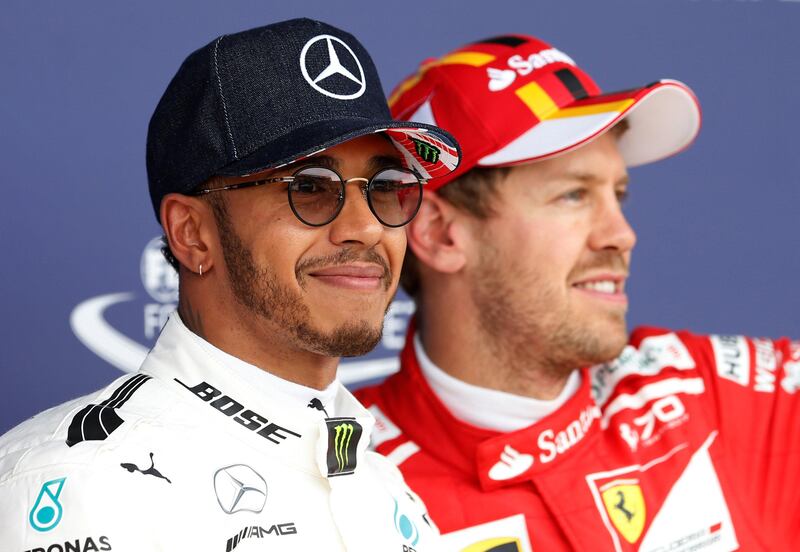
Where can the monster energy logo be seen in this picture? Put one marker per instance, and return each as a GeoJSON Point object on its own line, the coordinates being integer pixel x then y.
{"type": "Point", "coordinates": [344, 432]}
{"type": "Point", "coordinates": [343, 437]}
{"type": "Point", "coordinates": [426, 151]}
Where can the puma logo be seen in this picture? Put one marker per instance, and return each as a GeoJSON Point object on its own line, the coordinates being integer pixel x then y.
{"type": "Point", "coordinates": [316, 404]}
{"type": "Point", "coordinates": [149, 471]}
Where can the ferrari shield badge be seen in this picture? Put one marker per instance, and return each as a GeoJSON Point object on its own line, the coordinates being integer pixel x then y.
{"type": "Point", "coordinates": [624, 503]}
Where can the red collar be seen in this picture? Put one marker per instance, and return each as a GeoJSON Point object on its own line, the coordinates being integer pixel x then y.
{"type": "Point", "coordinates": [496, 459]}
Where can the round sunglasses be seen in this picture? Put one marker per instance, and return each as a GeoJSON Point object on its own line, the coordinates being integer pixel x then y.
{"type": "Point", "coordinates": [317, 194]}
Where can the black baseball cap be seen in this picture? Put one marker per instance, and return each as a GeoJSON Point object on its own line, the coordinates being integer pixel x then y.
{"type": "Point", "coordinates": [266, 97]}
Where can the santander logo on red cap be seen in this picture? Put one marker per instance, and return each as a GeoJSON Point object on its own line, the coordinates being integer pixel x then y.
{"type": "Point", "coordinates": [500, 79]}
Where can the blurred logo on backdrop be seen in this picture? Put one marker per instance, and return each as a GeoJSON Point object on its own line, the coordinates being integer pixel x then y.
{"type": "Point", "coordinates": [126, 350]}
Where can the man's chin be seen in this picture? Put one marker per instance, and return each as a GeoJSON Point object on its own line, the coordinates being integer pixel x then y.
{"type": "Point", "coordinates": [346, 340]}
{"type": "Point", "coordinates": [598, 342]}
{"type": "Point", "coordinates": [610, 345]}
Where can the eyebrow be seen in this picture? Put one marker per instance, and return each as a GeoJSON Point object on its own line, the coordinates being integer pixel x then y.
{"type": "Point", "coordinates": [589, 178]}
{"type": "Point", "coordinates": [378, 162]}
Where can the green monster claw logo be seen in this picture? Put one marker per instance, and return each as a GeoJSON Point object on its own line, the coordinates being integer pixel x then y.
{"type": "Point", "coordinates": [343, 437]}
{"type": "Point", "coordinates": [426, 151]}
{"type": "Point", "coordinates": [342, 441]}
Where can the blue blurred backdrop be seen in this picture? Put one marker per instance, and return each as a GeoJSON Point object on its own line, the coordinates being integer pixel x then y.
{"type": "Point", "coordinates": [83, 295]}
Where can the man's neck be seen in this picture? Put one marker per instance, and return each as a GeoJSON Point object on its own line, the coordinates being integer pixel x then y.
{"type": "Point", "coordinates": [248, 339]}
{"type": "Point", "coordinates": [456, 343]}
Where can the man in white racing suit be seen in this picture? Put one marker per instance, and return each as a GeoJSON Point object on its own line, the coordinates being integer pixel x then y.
{"type": "Point", "coordinates": [202, 451]}
{"type": "Point", "coordinates": [282, 190]}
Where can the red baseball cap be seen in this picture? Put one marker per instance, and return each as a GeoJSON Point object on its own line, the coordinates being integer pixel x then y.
{"type": "Point", "coordinates": [515, 99]}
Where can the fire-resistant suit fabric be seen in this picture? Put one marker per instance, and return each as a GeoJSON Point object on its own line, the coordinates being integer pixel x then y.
{"type": "Point", "coordinates": [682, 443]}
{"type": "Point", "coordinates": [184, 455]}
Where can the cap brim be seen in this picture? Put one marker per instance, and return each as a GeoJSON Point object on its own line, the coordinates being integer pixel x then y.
{"type": "Point", "coordinates": [427, 149]}
{"type": "Point", "coordinates": [664, 119]}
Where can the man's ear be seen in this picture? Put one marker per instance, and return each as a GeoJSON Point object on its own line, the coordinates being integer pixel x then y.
{"type": "Point", "coordinates": [437, 236]}
{"type": "Point", "coordinates": [185, 220]}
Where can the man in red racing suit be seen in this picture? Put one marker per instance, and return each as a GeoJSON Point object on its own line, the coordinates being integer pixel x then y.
{"type": "Point", "coordinates": [523, 414]}
{"type": "Point", "coordinates": [682, 443]}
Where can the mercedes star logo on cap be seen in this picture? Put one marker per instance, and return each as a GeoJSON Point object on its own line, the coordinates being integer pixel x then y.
{"type": "Point", "coordinates": [240, 488]}
{"type": "Point", "coordinates": [348, 86]}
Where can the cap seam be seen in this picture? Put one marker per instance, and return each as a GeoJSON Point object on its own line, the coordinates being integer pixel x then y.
{"type": "Point", "coordinates": [222, 96]}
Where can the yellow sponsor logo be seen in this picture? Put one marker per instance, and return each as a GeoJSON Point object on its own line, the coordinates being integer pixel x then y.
{"type": "Point", "coordinates": [624, 503]}
{"type": "Point", "coordinates": [496, 544]}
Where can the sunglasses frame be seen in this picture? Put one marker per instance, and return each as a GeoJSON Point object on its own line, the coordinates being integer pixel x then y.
{"type": "Point", "coordinates": [365, 190]}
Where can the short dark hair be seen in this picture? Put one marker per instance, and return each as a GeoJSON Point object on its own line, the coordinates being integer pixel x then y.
{"type": "Point", "coordinates": [473, 192]}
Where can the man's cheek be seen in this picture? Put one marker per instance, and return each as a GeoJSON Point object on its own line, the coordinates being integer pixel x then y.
{"type": "Point", "coordinates": [396, 246]}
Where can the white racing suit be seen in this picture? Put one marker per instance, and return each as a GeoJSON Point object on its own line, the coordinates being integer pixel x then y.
{"type": "Point", "coordinates": [184, 456]}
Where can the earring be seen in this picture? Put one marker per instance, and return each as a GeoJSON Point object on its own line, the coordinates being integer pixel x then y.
{"type": "Point", "coordinates": [201, 270]}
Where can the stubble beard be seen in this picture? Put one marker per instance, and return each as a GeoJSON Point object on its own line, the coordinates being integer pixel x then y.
{"type": "Point", "coordinates": [258, 290]}
{"type": "Point", "coordinates": [529, 328]}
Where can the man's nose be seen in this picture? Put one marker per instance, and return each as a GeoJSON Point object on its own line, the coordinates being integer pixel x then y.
{"type": "Point", "coordinates": [611, 228]}
{"type": "Point", "coordinates": [355, 223]}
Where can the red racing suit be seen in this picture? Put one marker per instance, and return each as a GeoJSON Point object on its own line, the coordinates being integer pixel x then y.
{"type": "Point", "coordinates": [682, 443]}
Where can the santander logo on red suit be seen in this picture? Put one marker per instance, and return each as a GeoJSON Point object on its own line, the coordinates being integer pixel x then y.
{"type": "Point", "coordinates": [517, 456]}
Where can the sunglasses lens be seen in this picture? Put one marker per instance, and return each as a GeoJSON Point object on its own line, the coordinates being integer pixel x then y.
{"type": "Point", "coordinates": [315, 195]}
{"type": "Point", "coordinates": [395, 196]}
